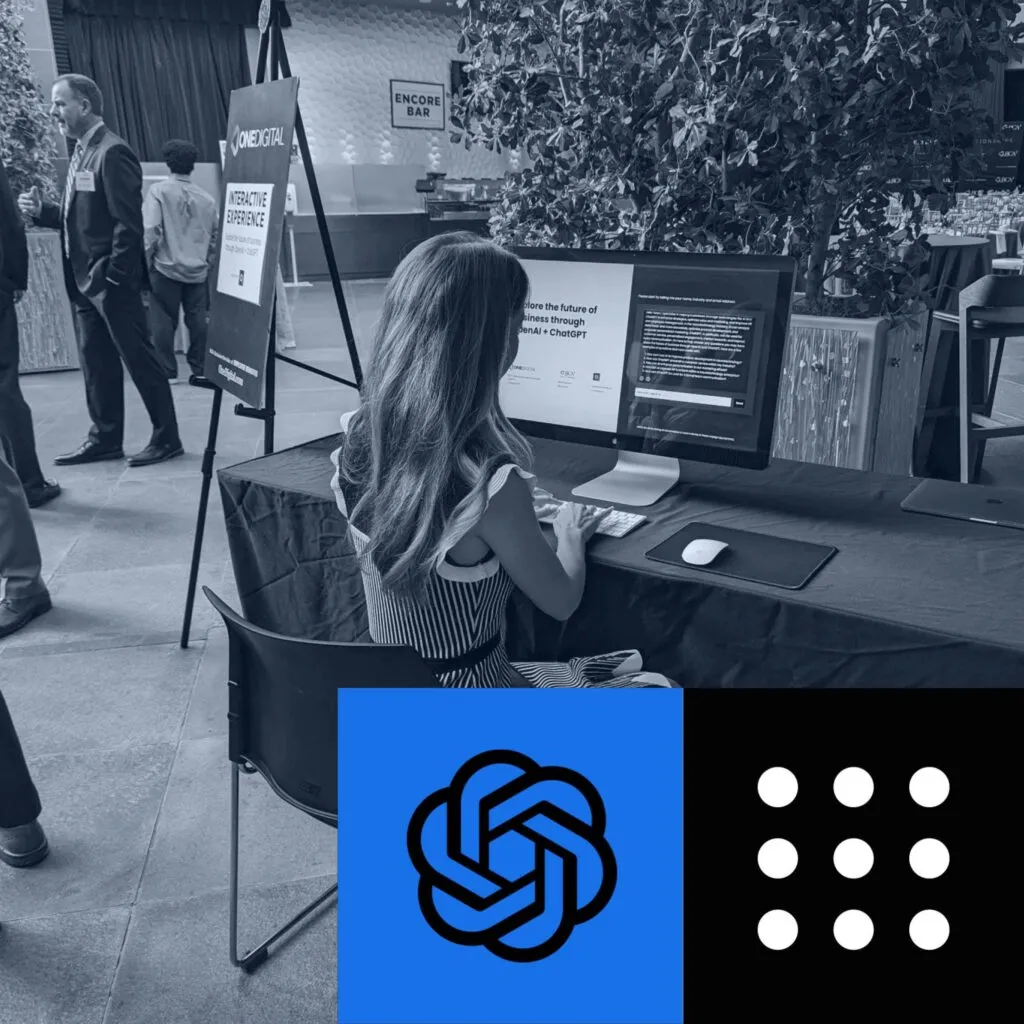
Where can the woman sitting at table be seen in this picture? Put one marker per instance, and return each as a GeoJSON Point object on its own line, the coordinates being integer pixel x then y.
{"type": "Point", "coordinates": [433, 481]}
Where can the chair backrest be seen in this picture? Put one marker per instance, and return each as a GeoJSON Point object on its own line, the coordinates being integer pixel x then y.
{"type": "Point", "coordinates": [995, 298]}
{"type": "Point", "coordinates": [283, 703]}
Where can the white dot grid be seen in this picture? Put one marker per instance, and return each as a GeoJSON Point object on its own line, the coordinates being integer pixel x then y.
{"type": "Point", "coordinates": [853, 858]}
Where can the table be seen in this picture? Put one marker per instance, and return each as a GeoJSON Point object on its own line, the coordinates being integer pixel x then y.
{"type": "Point", "coordinates": [908, 601]}
{"type": "Point", "coordinates": [956, 262]}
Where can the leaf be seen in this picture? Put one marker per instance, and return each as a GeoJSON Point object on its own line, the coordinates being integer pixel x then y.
{"type": "Point", "coordinates": [664, 91]}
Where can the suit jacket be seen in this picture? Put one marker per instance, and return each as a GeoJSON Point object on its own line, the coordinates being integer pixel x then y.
{"type": "Point", "coordinates": [13, 244]}
{"type": "Point", "coordinates": [104, 226]}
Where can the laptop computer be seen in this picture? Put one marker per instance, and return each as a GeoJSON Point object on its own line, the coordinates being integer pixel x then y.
{"type": "Point", "coordinates": [995, 506]}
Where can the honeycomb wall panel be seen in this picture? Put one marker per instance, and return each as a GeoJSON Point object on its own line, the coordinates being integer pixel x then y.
{"type": "Point", "coordinates": [345, 57]}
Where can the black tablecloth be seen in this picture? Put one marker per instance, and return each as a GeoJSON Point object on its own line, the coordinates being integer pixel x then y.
{"type": "Point", "coordinates": [909, 600]}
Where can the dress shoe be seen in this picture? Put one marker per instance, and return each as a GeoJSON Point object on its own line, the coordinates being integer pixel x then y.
{"type": "Point", "coordinates": [197, 380]}
{"type": "Point", "coordinates": [89, 452]}
{"type": "Point", "coordinates": [154, 453]}
{"type": "Point", "coordinates": [16, 614]}
{"type": "Point", "coordinates": [24, 846]}
{"type": "Point", "coordinates": [42, 493]}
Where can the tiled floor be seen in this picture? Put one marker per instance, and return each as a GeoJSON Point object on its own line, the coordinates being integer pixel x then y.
{"type": "Point", "coordinates": [125, 732]}
{"type": "Point", "coordinates": [126, 922]}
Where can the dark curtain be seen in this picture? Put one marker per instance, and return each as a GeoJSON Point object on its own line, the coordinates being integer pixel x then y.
{"type": "Point", "coordinates": [234, 12]}
{"type": "Point", "coordinates": [166, 67]}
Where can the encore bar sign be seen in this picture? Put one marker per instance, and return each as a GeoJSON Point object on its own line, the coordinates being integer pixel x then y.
{"type": "Point", "coordinates": [417, 105]}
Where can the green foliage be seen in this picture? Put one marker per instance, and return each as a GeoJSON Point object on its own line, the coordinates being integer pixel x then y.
{"type": "Point", "coordinates": [28, 145]}
{"type": "Point", "coordinates": [733, 126]}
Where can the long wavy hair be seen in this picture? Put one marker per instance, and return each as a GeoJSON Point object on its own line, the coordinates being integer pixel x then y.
{"type": "Point", "coordinates": [430, 431]}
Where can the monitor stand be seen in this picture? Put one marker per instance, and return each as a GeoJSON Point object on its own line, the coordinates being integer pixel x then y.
{"type": "Point", "coordinates": [637, 479]}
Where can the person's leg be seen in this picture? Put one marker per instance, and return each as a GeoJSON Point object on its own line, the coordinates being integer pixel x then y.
{"type": "Point", "coordinates": [125, 317]}
{"type": "Point", "coordinates": [25, 594]}
{"type": "Point", "coordinates": [15, 415]}
{"type": "Point", "coordinates": [196, 301]}
{"type": "Point", "coordinates": [164, 303]}
{"type": "Point", "coordinates": [22, 840]}
{"type": "Point", "coordinates": [104, 378]}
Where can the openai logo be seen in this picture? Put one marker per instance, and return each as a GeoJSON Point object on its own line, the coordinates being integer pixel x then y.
{"type": "Point", "coordinates": [512, 856]}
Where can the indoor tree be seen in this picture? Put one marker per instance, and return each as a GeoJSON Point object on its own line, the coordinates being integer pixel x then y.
{"type": "Point", "coordinates": [734, 125]}
{"type": "Point", "coordinates": [28, 146]}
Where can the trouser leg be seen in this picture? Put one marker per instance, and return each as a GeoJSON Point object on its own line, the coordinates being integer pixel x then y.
{"type": "Point", "coordinates": [19, 799]}
{"type": "Point", "coordinates": [15, 415]}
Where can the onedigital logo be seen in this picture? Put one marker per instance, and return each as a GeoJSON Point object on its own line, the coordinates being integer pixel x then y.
{"type": "Point", "coordinates": [512, 856]}
{"type": "Point", "coordinates": [256, 138]}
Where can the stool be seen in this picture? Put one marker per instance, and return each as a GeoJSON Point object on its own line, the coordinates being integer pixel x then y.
{"type": "Point", "coordinates": [992, 308]}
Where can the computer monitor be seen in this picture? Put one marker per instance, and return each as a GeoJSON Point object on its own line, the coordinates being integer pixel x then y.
{"type": "Point", "coordinates": [659, 356]}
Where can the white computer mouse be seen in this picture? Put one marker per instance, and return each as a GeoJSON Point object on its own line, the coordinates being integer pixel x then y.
{"type": "Point", "coordinates": [703, 552]}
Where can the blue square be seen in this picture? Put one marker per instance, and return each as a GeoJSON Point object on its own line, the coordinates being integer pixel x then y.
{"type": "Point", "coordinates": [541, 834]}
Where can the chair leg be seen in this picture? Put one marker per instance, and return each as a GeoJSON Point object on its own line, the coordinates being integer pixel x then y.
{"type": "Point", "coordinates": [965, 402]}
{"type": "Point", "coordinates": [252, 959]}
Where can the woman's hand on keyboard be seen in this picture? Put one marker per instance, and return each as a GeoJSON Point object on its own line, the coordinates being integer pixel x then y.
{"type": "Point", "coordinates": [579, 520]}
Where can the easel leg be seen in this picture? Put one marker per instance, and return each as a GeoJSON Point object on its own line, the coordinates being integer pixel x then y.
{"type": "Point", "coordinates": [281, 59]}
{"type": "Point", "coordinates": [204, 499]}
{"type": "Point", "coordinates": [270, 402]}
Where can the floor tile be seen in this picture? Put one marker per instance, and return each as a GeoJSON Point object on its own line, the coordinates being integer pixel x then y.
{"type": "Point", "coordinates": [175, 966]}
{"type": "Point", "coordinates": [119, 604]}
{"type": "Point", "coordinates": [58, 970]}
{"type": "Point", "coordinates": [207, 714]}
{"type": "Point", "coordinates": [99, 810]}
{"type": "Point", "coordinates": [100, 700]}
{"type": "Point", "coordinates": [190, 853]}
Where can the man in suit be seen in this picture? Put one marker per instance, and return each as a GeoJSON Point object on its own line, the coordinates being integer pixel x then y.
{"type": "Point", "coordinates": [100, 221]}
{"type": "Point", "coordinates": [15, 415]}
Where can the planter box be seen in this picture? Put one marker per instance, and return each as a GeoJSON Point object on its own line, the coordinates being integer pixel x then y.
{"type": "Point", "coordinates": [849, 393]}
{"type": "Point", "coordinates": [46, 328]}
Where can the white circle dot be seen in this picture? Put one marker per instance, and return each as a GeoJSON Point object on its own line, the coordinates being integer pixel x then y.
{"type": "Point", "coordinates": [853, 858]}
{"type": "Point", "coordinates": [929, 929]}
{"type": "Point", "coordinates": [929, 787]}
{"type": "Point", "coordinates": [777, 858]}
{"type": "Point", "coordinates": [853, 929]}
{"type": "Point", "coordinates": [777, 787]}
{"type": "Point", "coordinates": [929, 858]}
{"type": "Point", "coordinates": [853, 787]}
{"type": "Point", "coordinates": [777, 929]}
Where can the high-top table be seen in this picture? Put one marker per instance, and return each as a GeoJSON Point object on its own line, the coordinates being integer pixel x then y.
{"type": "Point", "coordinates": [909, 600]}
{"type": "Point", "coordinates": [956, 262]}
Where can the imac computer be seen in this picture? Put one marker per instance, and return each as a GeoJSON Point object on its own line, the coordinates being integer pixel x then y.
{"type": "Point", "coordinates": [658, 356]}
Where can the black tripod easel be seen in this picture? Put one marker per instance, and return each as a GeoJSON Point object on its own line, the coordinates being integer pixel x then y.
{"type": "Point", "coordinates": [272, 56]}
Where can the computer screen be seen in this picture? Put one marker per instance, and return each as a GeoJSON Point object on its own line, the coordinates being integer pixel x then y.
{"type": "Point", "coordinates": [668, 354]}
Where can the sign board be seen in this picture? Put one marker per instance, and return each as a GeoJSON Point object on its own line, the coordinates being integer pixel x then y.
{"type": "Point", "coordinates": [261, 121]}
{"type": "Point", "coordinates": [999, 156]}
{"type": "Point", "coordinates": [417, 105]}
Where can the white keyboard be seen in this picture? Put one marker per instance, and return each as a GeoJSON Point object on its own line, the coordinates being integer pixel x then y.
{"type": "Point", "coordinates": [616, 524]}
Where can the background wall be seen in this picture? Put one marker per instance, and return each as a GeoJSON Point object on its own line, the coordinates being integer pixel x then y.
{"type": "Point", "coordinates": [345, 55]}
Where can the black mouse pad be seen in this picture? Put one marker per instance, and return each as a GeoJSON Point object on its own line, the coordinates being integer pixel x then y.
{"type": "Point", "coordinates": [755, 557]}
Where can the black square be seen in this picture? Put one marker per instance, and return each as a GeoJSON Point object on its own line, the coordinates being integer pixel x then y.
{"type": "Point", "coordinates": [732, 736]}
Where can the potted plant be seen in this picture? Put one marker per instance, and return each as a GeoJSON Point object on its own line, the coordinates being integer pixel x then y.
{"type": "Point", "coordinates": [28, 149]}
{"type": "Point", "coordinates": [758, 126]}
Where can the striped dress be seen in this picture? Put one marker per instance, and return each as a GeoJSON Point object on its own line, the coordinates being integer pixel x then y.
{"type": "Point", "coordinates": [459, 626]}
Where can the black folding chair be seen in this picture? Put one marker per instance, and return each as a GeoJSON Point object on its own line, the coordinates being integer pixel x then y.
{"type": "Point", "coordinates": [283, 724]}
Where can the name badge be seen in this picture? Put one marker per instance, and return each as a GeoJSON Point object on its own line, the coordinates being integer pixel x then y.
{"type": "Point", "coordinates": [85, 181]}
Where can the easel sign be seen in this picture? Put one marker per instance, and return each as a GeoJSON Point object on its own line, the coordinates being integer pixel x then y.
{"type": "Point", "coordinates": [241, 330]}
{"type": "Point", "coordinates": [261, 122]}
